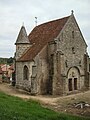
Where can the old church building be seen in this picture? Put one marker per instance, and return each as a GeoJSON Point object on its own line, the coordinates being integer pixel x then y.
{"type": "Point", "coordinates": [53, 58]}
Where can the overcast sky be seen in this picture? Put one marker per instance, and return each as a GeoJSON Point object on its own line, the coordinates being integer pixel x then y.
{"type": "Point", "coordinates": [14, 12]}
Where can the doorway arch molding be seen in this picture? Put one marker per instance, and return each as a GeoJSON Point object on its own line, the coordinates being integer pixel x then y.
{"type": "Point", "coordinates": [72, 68]}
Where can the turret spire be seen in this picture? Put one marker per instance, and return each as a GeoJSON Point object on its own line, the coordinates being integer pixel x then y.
{"type": "Point", "coordinates": [22, 37]}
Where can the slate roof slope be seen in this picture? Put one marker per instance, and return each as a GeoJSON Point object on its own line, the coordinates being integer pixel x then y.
{"type": "Point", "coordinates": [22, 37]}
{"type": "Point", "coordinates": [41, 35]}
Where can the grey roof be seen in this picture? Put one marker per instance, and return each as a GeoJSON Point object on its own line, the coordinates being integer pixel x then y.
{"type": "Point", "coordinates": [22, 37]}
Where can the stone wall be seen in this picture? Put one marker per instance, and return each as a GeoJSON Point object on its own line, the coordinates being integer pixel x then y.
{"type": "Point", "coordinates": [20, 49]}
{"type": "Point", "coordinates": [41, 62]}
{"type": "Point", "coordinates": [71, 43]}
{"type": "Point", "coordinates": [20, 82]}
{"type": "Point", "coordinates": [38, 74]}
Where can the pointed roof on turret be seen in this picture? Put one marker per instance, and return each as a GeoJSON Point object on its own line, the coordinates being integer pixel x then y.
{"type": "Point", "coordinates": [22, 37]}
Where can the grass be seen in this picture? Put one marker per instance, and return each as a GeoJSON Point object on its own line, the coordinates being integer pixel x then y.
{"type": "Point", "coordinates": [14, 108]}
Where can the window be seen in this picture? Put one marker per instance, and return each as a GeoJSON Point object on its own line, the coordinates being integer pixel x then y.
{"type": "Point", "coordinates": [80, 63]}
{"type": "Point", "coordinates": [66, 63]}
{"type": "Point", "coordinates": [26, 73]}
{"type": "Point", "coordinates": [72, 34]}
{"type": "Point", "coordinates": [73, 50]}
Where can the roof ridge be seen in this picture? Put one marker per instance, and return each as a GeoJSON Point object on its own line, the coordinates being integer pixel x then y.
{"type": "Point", "coordinates": [52, 21]}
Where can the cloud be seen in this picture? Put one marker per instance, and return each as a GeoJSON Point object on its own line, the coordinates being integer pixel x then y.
{"type": "Point", "coordinates": [14, 12]}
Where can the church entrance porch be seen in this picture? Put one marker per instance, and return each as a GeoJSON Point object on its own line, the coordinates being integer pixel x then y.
{"type": "Point", "coordinates": [73, 81]}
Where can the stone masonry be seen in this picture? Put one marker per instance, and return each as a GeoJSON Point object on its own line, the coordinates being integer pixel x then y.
{"type": "Point", "coordinates": [53, 59]}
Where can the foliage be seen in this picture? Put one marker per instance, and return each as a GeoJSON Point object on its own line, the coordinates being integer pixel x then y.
{"type": "Point", "coordinates": [6, 60]}
{"type": "Point", "coordinates": [13, 108]}
{"type": "Point", "coordinates": [3, 60]}
{"type": "Point", "coordinates": [10, 60]}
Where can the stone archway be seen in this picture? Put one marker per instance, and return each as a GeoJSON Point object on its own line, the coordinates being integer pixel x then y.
{"type": "Point", "coordinates": [73, 79]}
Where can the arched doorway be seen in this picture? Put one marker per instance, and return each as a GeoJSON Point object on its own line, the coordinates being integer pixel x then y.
{"type": "Point", "coordinates": [73, 79]}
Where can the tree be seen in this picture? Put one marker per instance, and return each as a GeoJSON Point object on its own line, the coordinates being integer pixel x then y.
{"type": "Point", "coordinates": [10, 60]}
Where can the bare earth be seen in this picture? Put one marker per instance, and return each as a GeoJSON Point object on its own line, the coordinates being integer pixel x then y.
{"type": "Point", "coordinates": [57, 103]}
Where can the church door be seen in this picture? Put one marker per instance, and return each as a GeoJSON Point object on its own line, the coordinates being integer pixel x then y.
{"type": "Point", "coordinates": [70, 84]}
{"type": "Point", "coordinates": [73, 79]}
{"type": "Point", "coordinates": [75, 83]}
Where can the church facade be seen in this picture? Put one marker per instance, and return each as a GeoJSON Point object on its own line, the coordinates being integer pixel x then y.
{"type": "Point", "coordinates": [53, 58]}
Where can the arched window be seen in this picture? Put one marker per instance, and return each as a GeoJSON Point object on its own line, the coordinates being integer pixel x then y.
{"type": "Point", "coordinates": [25, 73]}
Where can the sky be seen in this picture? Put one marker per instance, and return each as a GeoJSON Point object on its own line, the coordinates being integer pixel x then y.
{"type": "Point", "coordinates": [15, 13]}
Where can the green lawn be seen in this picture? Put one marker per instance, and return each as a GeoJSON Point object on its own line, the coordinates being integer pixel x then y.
{"type": "Point", "coordinates": [13, 108]}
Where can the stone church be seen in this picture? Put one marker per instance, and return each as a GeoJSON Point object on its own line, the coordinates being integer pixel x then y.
{"type": "Point", "coordinates": [53, 58]}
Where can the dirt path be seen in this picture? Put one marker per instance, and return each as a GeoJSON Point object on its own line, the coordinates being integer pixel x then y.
{"type": "Point", "coordinates": [60, 104]}
{"type": "Point", "coordinates": [10, 90]}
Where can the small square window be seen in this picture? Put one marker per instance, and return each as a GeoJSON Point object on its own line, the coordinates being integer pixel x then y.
{"type": "Point", "coordinates": [73, 50]}
{"type": "Point", "coordinates": [72, 34]}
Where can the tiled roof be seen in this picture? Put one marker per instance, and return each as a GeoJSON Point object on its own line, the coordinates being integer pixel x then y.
{"type": "Point", "coordinates": [5, 67]}
{"type": "Point", "coordinates": [41, 35]}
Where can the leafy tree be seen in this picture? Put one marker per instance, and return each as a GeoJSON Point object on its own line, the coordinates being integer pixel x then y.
{"type": "Point", "coordinates": [10, 60]}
